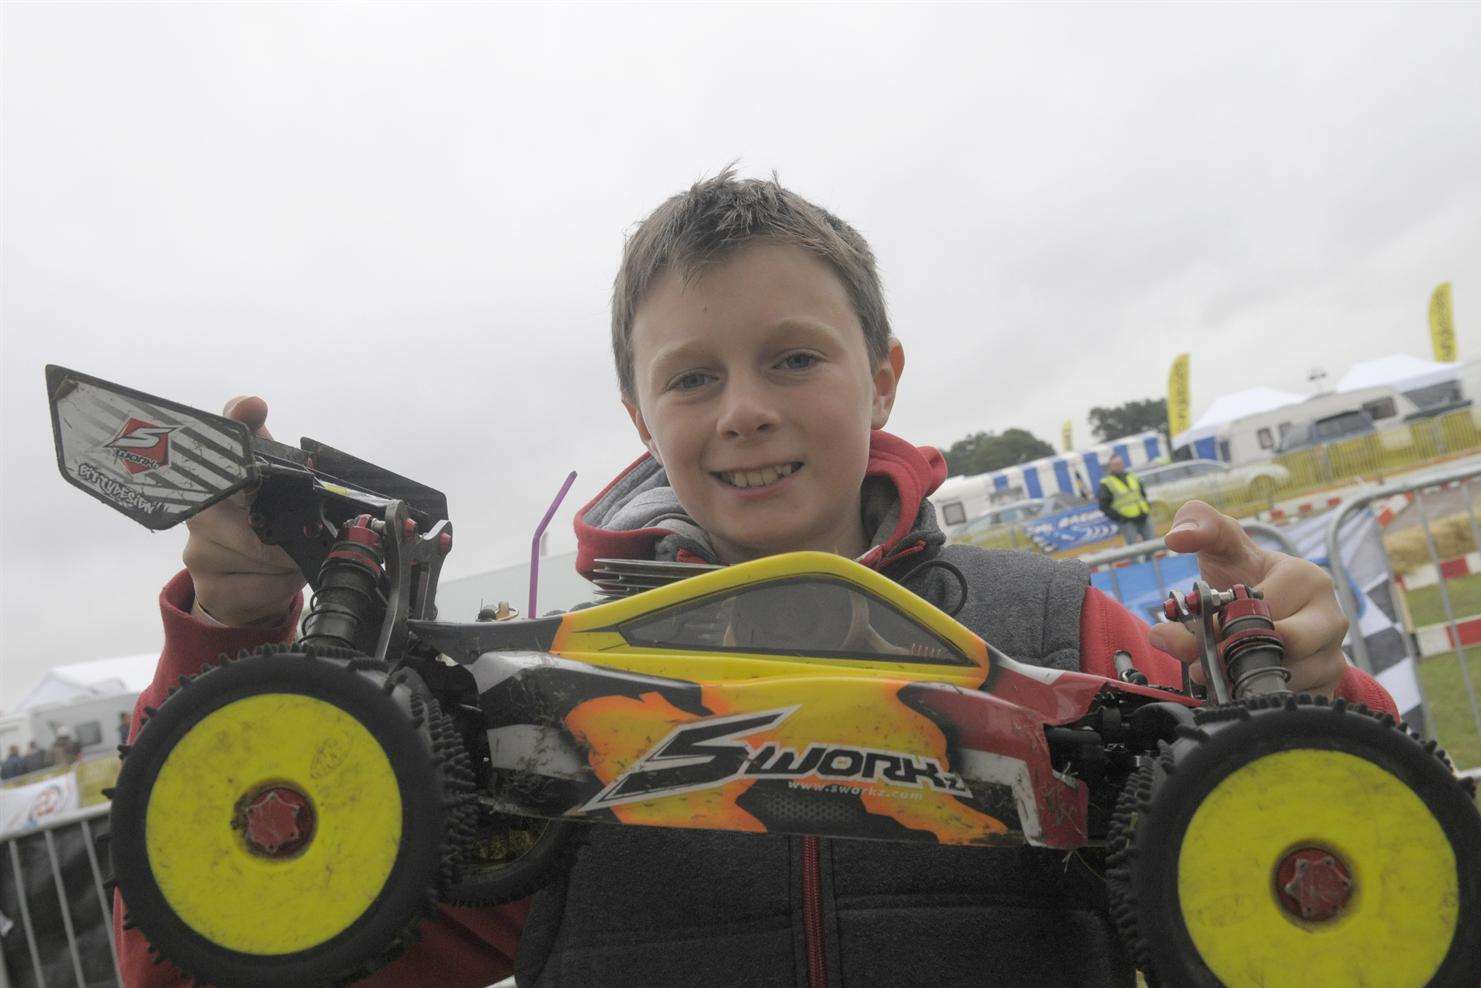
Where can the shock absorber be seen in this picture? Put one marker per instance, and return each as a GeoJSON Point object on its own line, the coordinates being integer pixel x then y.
{"type": "Point", "coordinates": [348, 608]}
{"type": "Point", "coordinates": [1253, 653]}
{"type": "Point", "coordinates": [1236, 638]}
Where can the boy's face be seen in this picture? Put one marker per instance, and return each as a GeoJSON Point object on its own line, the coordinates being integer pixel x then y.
{"type": "Point", "coordinates": [756, 392]}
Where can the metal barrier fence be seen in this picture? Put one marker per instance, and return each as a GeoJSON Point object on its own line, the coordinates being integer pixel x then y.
{"type": "Point", "coordinates": [56, 923]}
{"type": "Point", "coordinates": [1443, 573]}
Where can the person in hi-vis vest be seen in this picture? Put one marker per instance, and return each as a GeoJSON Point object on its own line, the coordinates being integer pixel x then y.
{"type": "Point", "coordinates": [1123, 501]}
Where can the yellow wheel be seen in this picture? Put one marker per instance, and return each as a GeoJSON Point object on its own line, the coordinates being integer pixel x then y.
{"type": "Point", "coordinates": [1289, 844]}
{"type": "Point", "coordinates": [282, 820]}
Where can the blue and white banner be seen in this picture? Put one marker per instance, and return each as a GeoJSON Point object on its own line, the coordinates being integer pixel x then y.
{"type": "Point", "coordinates": [1071, 529]}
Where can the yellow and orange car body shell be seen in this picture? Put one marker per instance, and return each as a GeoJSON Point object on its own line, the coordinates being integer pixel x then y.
{"type": "Point", "coordinates": [950, 752]}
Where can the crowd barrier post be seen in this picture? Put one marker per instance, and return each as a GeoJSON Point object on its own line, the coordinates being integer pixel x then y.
{"type": "Point", "coordinates": [105, 901]}
{"type": "Point", "coordinates": [64, 906]}
{"type": "Point", "coordinates": [47, 832]}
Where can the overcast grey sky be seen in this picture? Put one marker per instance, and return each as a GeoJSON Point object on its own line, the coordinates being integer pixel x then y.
{"type": "Point", "coordinates": [367, 211]}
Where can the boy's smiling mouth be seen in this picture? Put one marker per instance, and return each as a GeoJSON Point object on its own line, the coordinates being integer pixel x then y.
{"type": "Point", "coordinates": [759, 477]}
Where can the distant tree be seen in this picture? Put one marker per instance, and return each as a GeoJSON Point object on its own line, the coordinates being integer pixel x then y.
{"type": "Point", "coordinates": [1120, 421]}
{"type": "Point", "coordinates": [984, 451]}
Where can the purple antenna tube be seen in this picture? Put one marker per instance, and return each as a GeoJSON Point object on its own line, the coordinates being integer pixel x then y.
{"type": "Point", "coordinates": [535, 542]}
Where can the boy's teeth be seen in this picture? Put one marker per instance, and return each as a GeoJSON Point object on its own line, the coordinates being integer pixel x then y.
{"type": "Point", "coordinates": [758, 478]}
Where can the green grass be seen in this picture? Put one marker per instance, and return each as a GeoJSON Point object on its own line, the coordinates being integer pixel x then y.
{"type": "Point", "coordinates": [1445, 692]}
{"type": "Point", "coordinates": [1426, 607]}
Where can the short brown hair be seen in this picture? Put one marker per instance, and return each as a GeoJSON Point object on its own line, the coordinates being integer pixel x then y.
{"type": "Point", "coordinates": [720, 215]}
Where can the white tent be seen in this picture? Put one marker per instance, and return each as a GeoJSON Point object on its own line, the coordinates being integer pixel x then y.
{"type": "Point", "coordinates": [1397, 370]}
{"type": "Point", "coordinates": [98, 677]}
{"type": "Point", "coordinates": [1227, 408]}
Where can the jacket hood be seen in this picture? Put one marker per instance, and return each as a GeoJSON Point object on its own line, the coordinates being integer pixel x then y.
{"type": "Point", "coordinates": [638, 515]}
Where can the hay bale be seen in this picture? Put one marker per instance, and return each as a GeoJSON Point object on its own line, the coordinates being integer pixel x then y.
{"type": "Point", "coordinates": [1407, 550]}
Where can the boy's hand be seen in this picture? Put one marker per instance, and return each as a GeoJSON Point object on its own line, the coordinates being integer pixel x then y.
{"type": "Point", "coordinates": [238, 580]}
{"type": "Point", "coordinates": [1307, 616]}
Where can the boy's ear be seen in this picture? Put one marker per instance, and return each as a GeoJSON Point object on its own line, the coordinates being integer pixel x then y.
{"type": "Point", "coordinates": [887, 384]}
{"type": "Point", "coordinates": [634, 413]}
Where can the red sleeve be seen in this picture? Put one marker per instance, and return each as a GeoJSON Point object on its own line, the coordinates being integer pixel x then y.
{"type": "Point", "coordinates": [1107, 627]}
{"type": "Point", "coordinates": [459, 946]}
{"type": "Point", "coordinates": [1356, 686]}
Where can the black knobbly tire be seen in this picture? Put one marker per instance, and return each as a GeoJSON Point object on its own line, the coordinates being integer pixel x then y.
{"type": "Point", "coordinates": [460, 799]}
{"type": "Point", "coordinates": [283, 819]}
{"type": "Point", "coordinates": [1210, 840]}
{"type": "Point", "coordinates": [511, 857]}
{"type": "Point", "coordinates": [1135, 796]}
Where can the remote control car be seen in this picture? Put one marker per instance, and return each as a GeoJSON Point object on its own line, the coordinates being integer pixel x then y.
{"type": "Point", "coordinates": [291, 815]}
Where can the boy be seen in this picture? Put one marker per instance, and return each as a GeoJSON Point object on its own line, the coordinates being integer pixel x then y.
{"type": "Point", "coordinates": [756, 362]}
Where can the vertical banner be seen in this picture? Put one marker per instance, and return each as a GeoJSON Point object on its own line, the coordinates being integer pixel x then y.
{"type": "Point", "coordinates": [1442, 324]}
{"type": "Point", "coordinates": [1177, 396]}
{"type": "Point", "coordinates": [1067, 435]}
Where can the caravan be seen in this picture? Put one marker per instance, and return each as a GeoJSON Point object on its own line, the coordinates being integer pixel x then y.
{"type": "Point", "coordinates": [1319, 419]}
{"type": "Point", "coordinates": [1064, 479]}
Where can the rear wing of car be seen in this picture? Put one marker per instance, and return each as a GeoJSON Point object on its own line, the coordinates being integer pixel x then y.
{"type": "Point", "coordinates": [160, 462]}
{"type": "Point", "coordinates": [153, 460]}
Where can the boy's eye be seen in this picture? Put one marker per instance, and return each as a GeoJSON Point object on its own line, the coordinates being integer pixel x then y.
{"type": "Point", "coordinates": [689, 381]}
{"type": "Point", "coordinates": [798, 361]}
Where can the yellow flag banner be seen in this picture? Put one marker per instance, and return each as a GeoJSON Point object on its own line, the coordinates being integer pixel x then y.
{"type": "Point", "coordinates": [1442, 324]}
{"type": "Point", "coordinates": [1177, 396]}
{"type": "Point", "coordinates": [1067, 435]}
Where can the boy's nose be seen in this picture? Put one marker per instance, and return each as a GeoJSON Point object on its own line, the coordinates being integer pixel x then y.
{"type": "Point", "coordinates": [746, 410]}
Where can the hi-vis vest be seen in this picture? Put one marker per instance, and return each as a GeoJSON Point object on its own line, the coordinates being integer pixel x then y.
{"type": "Point", "coordinates": [1127, 499]}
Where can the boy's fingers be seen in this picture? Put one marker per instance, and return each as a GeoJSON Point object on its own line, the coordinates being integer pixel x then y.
{"type": "Point", "coordinates": [1177, 641]}
{"type": "Point", "coordinates": [251, 411]}
{"type": "Point", "coordinates": [204, 554]}
{"type": "Point", "coordinates": [1225, 550]}
{"type": "Point", "coordinates": [241, 599]}
{"type": "Point", "coordinates": [264, 589]}
{"type": "Point", "coordinates": [1315, 628]}
{"type": "Point", "coordinates": [223, 528]}
{"type": "Point", "coordinates": [1318, 673]}
{"type": "Point", "coordinates": [1174, 639]}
